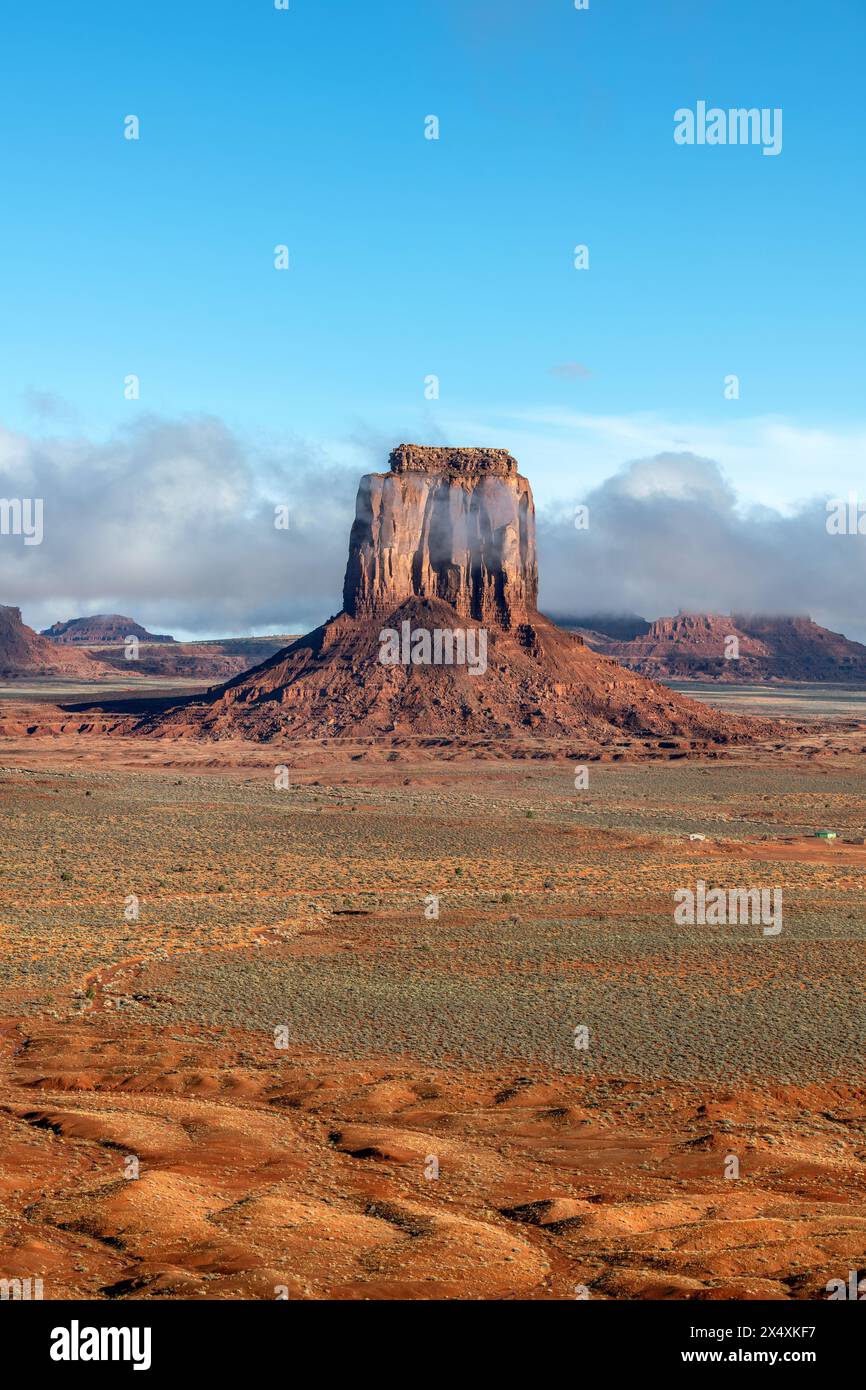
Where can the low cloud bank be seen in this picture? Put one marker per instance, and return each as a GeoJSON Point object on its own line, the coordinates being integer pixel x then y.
{"type": "Point", "coordinates": [666, 533]}
{"type": "Point", "coordinates": [172, 522]}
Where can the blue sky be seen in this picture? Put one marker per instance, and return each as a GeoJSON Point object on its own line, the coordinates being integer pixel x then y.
{"type": "Point", "coordinates": [452, 257]}
{"type": "Point", "coordinates": [413, 257]}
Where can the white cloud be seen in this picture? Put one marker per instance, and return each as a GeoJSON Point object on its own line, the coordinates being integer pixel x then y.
{"type": "Point", "coordinates": [668, 532]}
{"type": "Point", "coordinates": [171, 522]}
{"type": "Point", "coordinates": [767, 460]}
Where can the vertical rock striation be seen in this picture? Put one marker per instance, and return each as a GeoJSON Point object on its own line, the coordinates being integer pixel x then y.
{"type": "Point", "coordinates": [452, 524]}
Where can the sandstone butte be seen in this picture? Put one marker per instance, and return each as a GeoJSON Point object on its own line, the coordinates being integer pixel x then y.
{"type": "Point", "coordinates": [450, 524]}
{"type": "Point", "coordinates": [444, 540]}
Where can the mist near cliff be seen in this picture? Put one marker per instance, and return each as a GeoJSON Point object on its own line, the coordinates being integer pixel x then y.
{"type": "Point", "coordinates": [669, 533]}
{"type": "Point", "coordinates": [173, 522]}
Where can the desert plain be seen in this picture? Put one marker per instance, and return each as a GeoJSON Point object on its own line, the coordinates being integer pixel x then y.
{"type": "Point", "coordinates": [418, 1022]}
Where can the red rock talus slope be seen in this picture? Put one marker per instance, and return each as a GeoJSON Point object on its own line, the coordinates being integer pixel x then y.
{"type": "Point", "coordinates": [538, 678]}
{"type": "Point", "coordinates": [780, 648]}
{"type": "Point", "coordinates": [444, 542]}
{"type": "Point", "coordinates": [23, 653]}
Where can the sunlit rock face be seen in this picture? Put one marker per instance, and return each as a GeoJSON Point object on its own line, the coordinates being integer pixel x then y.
{"type": "Point", "coordinates": [453, 524]}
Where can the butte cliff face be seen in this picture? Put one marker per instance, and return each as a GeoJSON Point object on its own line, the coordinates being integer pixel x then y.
{"type": "Point", "coordinates": [450, 524]}
{"type": "Point", "coordinates": [443, 543]}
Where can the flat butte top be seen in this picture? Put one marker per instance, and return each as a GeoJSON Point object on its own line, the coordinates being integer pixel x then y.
{"type": "Point", "coordinates": [421, 458]}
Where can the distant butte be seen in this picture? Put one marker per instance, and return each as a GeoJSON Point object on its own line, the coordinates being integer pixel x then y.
{"type": "Point", "coordinates": [101, 627]}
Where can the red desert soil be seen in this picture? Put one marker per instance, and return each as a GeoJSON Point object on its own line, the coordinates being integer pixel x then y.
{"type": "Point", "coordinates": [429, 1129]}
{"type": "Point", "coordinates": [315, 1174]}
{"type": "Point", "coordinates": [385, 1180]}
{"type": "Point", "coordinates": [37, 729]}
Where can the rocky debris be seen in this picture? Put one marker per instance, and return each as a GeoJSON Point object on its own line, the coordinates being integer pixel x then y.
{"type": "Point", "coordinates": [332, 683]}
{"type": "Point", "coordinates": [426, 458]}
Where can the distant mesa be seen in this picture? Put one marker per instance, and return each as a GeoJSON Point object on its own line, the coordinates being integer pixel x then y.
{"type": "Point", "coordinates": [159, 655]}
{"type": "Point", "coordinates": [94, 650]}
{"type": "Point", "coordinates": [99, 628]}
{"type": "Point", "coordinates": [691, 646]}
{"type": "Point", "coordinates": [443, 542]}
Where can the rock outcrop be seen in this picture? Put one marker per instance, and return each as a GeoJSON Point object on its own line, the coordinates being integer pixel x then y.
{"type": "Point", "coordinates": [24, 653]}
{"type": "Point", "coordinates": [450, 524]}
{"type": "Point", "coordinates": [694, 646]}
{"type": "Point", "coordinates": [443, 546]}
{"type": "Point", "coordinates": [689, 644]}
{"type": "Point", "coordinates": [101, 628]}
{"type": "Point", "coordinates": [801, 649]}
